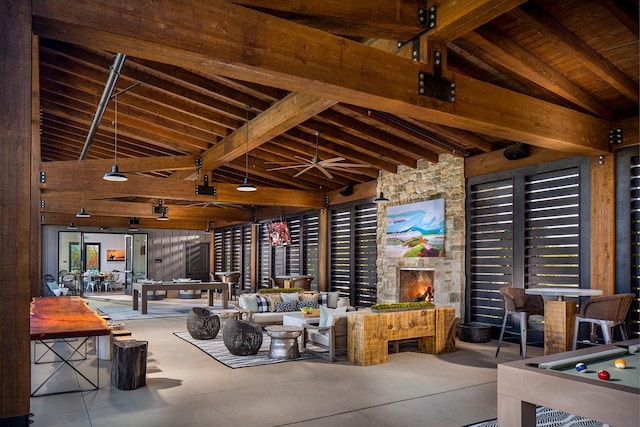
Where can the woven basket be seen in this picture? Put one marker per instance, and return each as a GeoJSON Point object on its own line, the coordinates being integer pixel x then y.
{"type": "Point", "coordinates": [474, 332]}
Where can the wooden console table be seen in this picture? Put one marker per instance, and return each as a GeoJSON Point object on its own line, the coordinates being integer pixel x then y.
{"type": "Point", "coordinates": [370, 333]}
{"type": "Point", "coordinates": [142, 289]}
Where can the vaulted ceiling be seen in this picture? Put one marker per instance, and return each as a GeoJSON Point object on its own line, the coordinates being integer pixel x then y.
{"type": "Point", "coordinates": [204, 83]}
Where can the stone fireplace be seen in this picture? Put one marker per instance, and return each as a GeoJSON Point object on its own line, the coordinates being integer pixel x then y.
{"type": "Point", "coordinates": [416, 284]}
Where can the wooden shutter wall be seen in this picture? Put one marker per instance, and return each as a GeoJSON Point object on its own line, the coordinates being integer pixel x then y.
{"type": "Point", "coordinates": [526, 227]}
{"type": "Point", "coordinates": [353, 252]}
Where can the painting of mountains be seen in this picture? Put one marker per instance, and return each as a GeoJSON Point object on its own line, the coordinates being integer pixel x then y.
{"type": "Point", "coordinates": [416, 229]}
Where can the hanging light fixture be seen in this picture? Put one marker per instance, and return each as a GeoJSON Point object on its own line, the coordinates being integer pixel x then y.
{"type": "Point", "coordinates": [133, 224]}
{"type": "Point", "coordinates": [381, 198]}
{"type": "Point", "coordinates": [115, 175]}
{"type": "Point", "coordinates": [209, 227]}
{"type": "Point", "coordinates": [82, 213]}
{"type": "Point", "coordinates": [71, 226]}
{"type": "Point", "coordinates": [246, 186]}
{"type": "Point", "coordinates": [162, 210]}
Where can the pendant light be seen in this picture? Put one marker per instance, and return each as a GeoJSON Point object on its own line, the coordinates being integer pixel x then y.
{"type": "Point", "coordinates": [82, 213]}
{"type": "Point", "coordinates": [246, 186]}
{"type": "Point", "coordinates": [381, 198]}
{"type": "Point", "coordinates": [115, 175]}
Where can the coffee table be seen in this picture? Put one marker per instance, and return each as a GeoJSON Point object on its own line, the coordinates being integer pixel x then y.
{"type": "Point", "coordinates": [284, 341]}
{"type": "Point", "coordinates": [298, 319]}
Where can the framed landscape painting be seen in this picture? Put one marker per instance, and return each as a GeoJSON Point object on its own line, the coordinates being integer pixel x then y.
{"type": "Point", "coordinates": [416, 230]}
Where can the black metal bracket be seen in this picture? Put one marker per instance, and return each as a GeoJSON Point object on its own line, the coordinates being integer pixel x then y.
{"type": "Point", "coordinates": [205, 189]}
{"type": "Point", "coordinates": [198, 162]}
{"type": "Point", "coordinates": [426, 18]}
{"type": "Point", "coordinates": [41, 204]}
{"type": "Point", "coordinates": [43, 177]}
{"type": "Point", "coordinates": [436, 87]}
{"type": "Point", "coordinates": [615, 136]}
{"type": "Point", "coordinates": [325, 199]}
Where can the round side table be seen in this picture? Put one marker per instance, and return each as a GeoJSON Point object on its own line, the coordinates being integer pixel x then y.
{"type": "Point", "coordinates": [284, 341]}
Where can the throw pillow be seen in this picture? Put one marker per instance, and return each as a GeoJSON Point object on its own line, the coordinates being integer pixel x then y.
{"type": "Point", "coordinates": [327, 315]}
{"type": "Point", "coordinates": [293, 296]}
{"type": "Point", "coordinates": [312, 304]}
{"type": "Point", "coordinates": [286, 306]}
{"type": "Point", "coordinates": [274, 298]}
{"type": "Point", "coordinates": [309, 296]}
{"type": "Point", "coordinates": [264, 304]}
{"type": "Point", "coordinates": [330, 299]}
{"type": "Point", "coordinates": [249, 302]}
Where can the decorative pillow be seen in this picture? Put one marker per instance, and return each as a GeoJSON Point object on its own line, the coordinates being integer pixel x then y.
{"type": "Point", "coordinates": [264, 304]}
{"type": "Point", "coordinates": [312, 304]}
{"type": "Point", "coordinates": [274, 298]}
{"type": "Point", "coordinates": [286, 306]}
{"type": "Point", "coordinates": [249, 302]}
{"type": "Point", "coordinates": [309, 296]}
{"type": "Point", "coordinates": [327, 315]}
{"type": "Point", "coordinates": [292, 296]}
{"type": "Point", "coordinates": [330, 299]}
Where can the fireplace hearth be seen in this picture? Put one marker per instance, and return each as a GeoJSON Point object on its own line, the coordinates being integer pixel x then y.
{"type": "Point", "coordinates": [416, 284]}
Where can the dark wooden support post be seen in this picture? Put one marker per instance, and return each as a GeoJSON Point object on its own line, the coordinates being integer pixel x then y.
{"type": "Point", "coordinates": [17, 233]}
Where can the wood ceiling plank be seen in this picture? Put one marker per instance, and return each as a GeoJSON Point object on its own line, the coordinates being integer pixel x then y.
{"type": "Point", "coordinates": [536, 17]}
{"type": "Point", "coordinates": [333, 66]}
{"type": "Point", "coordinates": [516, 59]}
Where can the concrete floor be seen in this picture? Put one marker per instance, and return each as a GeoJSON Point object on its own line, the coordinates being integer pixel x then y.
{"type": "Point", "coordinates": [186, 387]}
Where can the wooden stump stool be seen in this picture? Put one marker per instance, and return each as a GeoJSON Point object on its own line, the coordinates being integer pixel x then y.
{"type": "Point", "coordinates": [242, 338]}
{"type": "Point", "coordinates": [129, 365]}
{"type": "Point", "coordinates": [202, 324]}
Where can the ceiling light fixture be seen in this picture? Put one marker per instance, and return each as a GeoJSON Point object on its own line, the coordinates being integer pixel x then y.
{"type": "Point", "coordinates": [246, 186]}
{"type": "Point", "coordinates": [381, 198]}
{"type": "Point", "coordinates": [82, 213]}
{"type": "Point", "coordinates": [133, 224]}
{"type": "Point", "coordinates": [115, 175]}
{"type": "Point", "coordinates": [162, 210]}
{"type": "Point", "coordinates": [71, 226]}
{"type": "Point", "coordinates": [209, 227]}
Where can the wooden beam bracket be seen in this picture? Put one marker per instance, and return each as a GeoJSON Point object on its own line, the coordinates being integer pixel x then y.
{"type": "Point", "coordinates": [205, 189]}
{"type": "Point", "coordinates": [615, 136]}
{"type": "Point", "coordinates": [436, 87]}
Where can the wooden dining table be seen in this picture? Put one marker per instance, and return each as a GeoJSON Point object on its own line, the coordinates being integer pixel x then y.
{"type": "Point", "coordinates": [560, 315]}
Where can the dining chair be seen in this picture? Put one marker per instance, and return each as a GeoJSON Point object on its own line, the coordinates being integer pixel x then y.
{"type": "Point", "coordinates": [302, 282]}
{"type": "Point", "coordinates": [607, 312]}
{"type": "Point", "coordinates": [528, 308]}
{"type": "Point", "coordinates": [69, 282]}
{"type": "Point", "coordinates": [232, 280]}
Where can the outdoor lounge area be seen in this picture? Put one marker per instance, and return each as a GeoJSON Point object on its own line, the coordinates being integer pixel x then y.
{"type": "Point", "coordinates": [317, 213]}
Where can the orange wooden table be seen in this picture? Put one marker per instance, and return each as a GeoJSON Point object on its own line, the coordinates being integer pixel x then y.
{"type": "Point", "coordinates": [54, 320]}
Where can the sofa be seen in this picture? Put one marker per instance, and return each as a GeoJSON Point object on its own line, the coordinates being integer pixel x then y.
{"type": "Point", "coordinates": [268, 308]}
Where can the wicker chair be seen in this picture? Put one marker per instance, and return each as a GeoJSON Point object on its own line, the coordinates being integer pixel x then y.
{"type": "Point", "coordinates": [303, 282]}
{"type": "Point", "coordinates": [607, 311]}
{"type": "Point", "coordinates": [516, 302]}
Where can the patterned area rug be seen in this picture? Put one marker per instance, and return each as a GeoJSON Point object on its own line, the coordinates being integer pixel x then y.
{"type": "Point", "coordinates": [155, 311]}
{"type": "Point", "coordinates": [551, 418]}
{"type": "Point", "coordinates": [216, 349]}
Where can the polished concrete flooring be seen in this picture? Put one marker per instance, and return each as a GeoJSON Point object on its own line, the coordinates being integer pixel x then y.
{"type": "Point", "coordinates": [186, 387]}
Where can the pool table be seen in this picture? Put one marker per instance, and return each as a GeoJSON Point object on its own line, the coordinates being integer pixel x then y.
{"type": "Point", "coordinates": [552, 381]}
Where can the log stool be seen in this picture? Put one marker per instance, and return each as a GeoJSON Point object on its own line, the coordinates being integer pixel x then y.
{"type": "Point", "coordinates": [202, 324]}
{"type": "Point", "coordinates": [242, 338]}
{"type": "Point", "coordinates": [129, 365]}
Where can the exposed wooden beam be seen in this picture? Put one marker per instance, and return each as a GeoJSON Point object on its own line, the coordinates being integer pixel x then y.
{"type": "Point", "coordinates": [539, 19]}
{"type": "Point", "coordinates": [117, 223]}
{"type": "Point", "coordinates": [136, 164]}
{"type": "Point", "coordinates": [161, 188]}
{"type": "Point", "coordinates": [329, 67]}
{"type": "Point", "coordinates": [517, 60]}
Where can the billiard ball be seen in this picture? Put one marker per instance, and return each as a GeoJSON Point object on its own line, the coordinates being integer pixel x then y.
{"type": "Point", "coordinates": [620, 363]}
{"type": "Point", "coordinates": [581, 367]}
{"type": "Point", "coordinates": [603, 375]}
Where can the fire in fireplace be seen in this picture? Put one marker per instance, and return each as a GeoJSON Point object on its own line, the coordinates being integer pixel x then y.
{"type": "Point", "coordinates": [416, 284]}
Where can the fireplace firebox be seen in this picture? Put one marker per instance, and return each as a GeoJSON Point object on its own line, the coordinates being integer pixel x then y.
{"type": "Point", "coordinates": [416, 284]}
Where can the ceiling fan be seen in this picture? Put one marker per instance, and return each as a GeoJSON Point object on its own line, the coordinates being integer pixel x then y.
{"type": "Point", "coordinates": [321, 165]}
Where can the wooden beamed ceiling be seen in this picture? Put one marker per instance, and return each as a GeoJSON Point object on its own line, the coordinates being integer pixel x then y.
{"type": "Point", "coordinates": [236, 83]}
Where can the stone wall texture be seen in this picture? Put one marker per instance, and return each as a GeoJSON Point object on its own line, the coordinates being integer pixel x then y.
{"type": "Point", "coordinates": [428, 181]}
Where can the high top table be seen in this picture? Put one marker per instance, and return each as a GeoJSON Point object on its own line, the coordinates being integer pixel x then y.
{"type": "Point", "coordinates": [560, 315]}
{"type": "Point", "coordinates": [56, 319]}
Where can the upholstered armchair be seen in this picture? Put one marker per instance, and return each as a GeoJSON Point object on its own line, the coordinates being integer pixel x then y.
{"type": "Point", "coordinates": [330, 335]}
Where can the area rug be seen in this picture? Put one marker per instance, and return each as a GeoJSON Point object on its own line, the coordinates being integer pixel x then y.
{"type": "Point", "coordinates": [158, 310]}
{"type": "Point", "coordinates": [551, 418]}
{"type": "Point", "coordinates": [216, 349]}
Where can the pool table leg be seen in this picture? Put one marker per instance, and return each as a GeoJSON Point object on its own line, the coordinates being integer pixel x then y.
{"type": "Point", "coordinates": [514, 412]}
